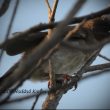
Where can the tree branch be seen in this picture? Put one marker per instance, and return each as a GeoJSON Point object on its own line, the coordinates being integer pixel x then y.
{"type": "Point", "coordinates": [36, 99]}
{"type": "Point", "coordinates": [51, 15]}
{"type": "Point", "coordinates": [97, 67]}
{"type": "Point", "coordinates": [104, 57]}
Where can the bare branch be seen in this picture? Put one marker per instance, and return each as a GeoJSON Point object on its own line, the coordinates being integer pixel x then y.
{"type": "Point", "coordinates": [49, 9]}
{"type": "Point", "coordinates": [94, 74]}
{"type": "Point", "coordinates": [51, 15]}
{"type": "Point", "coordinates": [52, 100]}
{"type": "Point", "coordinates": [36, 99]}
{"type": "Point", "coordinates": [97, 67]}
{"type": "Point", "coordinates": [104, 57]}
{"type": "Point", "coordinates": [54, 10]}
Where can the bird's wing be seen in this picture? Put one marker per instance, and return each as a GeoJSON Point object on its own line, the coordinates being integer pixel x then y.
{"type": "Point", "coordinates": [22, 42]}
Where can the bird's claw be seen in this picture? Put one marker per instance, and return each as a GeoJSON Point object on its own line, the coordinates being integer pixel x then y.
{"type": "Point", "coordinates": [50, 84]}
{"type": "Point", "coordinates": [66, 79]}
{"type": "Point", "coordinates": [75, 86]}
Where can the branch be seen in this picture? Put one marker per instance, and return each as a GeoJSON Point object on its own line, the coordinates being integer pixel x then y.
{"type": "Point", "coordinates": [48, 6]}
{"type": "Point", "coordinates": [54, 10]}
{"type": "Point", "coordinates": [36, 99]}
{"type": "Point", "coordinates": [51, 15]}
{"type": "Point", "coordinates": [97, 73]}
{"type": "Point", "coordinates": [104, 57]}
{"type": "Point", "coordinates": [97, 67]}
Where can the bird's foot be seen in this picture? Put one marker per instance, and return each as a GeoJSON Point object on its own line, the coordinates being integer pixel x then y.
{"type": "Point", "coordinates": [50, 84]}
{"type": "Point", "coordinates": [76, 83]}
{"type": "Point", "coordinates": [65, 79]}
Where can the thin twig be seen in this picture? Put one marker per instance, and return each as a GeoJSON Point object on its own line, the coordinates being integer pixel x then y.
{"type": "Point", "coordinates": [49, 8]}
{"type": "Point", "coordinates": [96, 73]}
{"type": "Point", "coordinates": [104, 57]}
{"type": "Point", "coordinates": [51, 15]}
{"type": "Point", "coordinates": [54, 10]}
{"type": "Point", "coordinates": [91, 58]}
{"type": "Point", "coordinates": [97, 67]}
{"type": "Point", "coordinates": [36, 99]}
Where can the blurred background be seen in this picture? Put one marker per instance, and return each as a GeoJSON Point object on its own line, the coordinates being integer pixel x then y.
{"type": "Point", "coordinates": [92, 93]}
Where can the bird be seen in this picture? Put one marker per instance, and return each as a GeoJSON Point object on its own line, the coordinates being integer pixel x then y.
{"type": "Point", "coordinates": [65, 61]}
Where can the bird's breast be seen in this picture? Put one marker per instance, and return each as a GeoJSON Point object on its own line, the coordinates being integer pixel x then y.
{"type": "Point", "coordinates": [65, 61]}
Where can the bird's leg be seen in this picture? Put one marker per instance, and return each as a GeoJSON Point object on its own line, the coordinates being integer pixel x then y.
{"type": "Point", "coordinates": [78, 76]}
{"type": "Point", "coordinates": [60, 81]}
{"type": "Point", "coordinates": [63, 79]}
{"type": "Point", "coordinates": [66, 79]}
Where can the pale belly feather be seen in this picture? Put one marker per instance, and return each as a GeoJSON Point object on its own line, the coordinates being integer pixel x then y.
{"type": "Point", "coordinates": [64, 61]}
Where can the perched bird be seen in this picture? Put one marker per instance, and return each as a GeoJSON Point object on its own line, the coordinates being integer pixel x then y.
{"type": "Point", "coordinates": [64, 61]}
{"type": "Point", "coordinates": [70, 60]}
